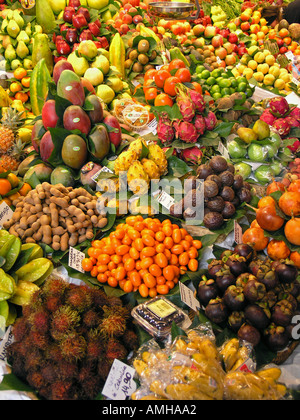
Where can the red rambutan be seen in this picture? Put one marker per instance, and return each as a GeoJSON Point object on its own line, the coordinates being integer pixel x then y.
{"type": "Point", "coordinates": [63, 320]}
{"type": "Point", "coordinates": [73, 347]}
{"type": "Point", "coordinates": [53, 303]}
{"type": "Point", "coordinates": [130, 340]}
{"type": "Point", "coordinates": [49, 372]}
{"type": "Point", "coordinates": [79, 298]}
{"type": "Point", "coordinates": [99, 298]}
{"type": "Point", "coordinates": [66, 370]}
{"type": "Point", "coordinates": [36, 380]}
{"type": "Point", "coordinates": [91, 319]}
{"type": "Point", "coordinates": [91, 387]}
{"type": "Point", "coordinates": [20, 329]}
{"type": "Point", "coordinates": [95, 349]}
{"type": "Point", "coordinates": [61, 390]}
{"type": "Point", "coordinates": [39, 321]}
{"type": "Point", "coordinates": [34, 359]}
{"type": "Point", "coordinates": [115, 350]}
{"type": "Point", "coordinates": [39, 340]}
{"type": "Point", "coordinates": [54, 287]}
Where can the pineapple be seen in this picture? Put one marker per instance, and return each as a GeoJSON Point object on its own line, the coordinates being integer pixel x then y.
{"type": "Point", "coordinates": [11, 160]}
{"type": "Point", "coordinates": [124, 161]}
{"type": "Point", "coordinates": [135, 177]}
{"type": "Point", "coordinates": [157, 155]}
{"type": "Point", "coordinates": [151, 169]}
{"type": "Point", "coordinates": [11, 123]}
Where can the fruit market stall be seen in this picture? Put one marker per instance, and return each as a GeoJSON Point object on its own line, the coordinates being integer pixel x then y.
{"type": "Point", "coordinates": [149, 201]}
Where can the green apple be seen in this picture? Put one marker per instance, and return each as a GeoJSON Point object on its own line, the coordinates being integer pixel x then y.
{"type": "Point", "coordinates": [80, 64]}
{"type": "Point", "coordinates": [105, 93]}
{"type": "Point", "coordinates": [115, 83]}
{"type": "Point", "coordinates": [101, 63]}
{"type": "Point", "coordinates": [94, 75]}
{"type": "Point", "coordinates": [97, 4]}
{"type": "Point", "coordinates": [57, 5]}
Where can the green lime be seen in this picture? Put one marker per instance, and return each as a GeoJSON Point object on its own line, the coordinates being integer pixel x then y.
{"type": "Point", "coordinates": [200, 69]}
{"type": "Point", "coordinates": [242, 79]}
{"type": "Point", "coordinates": [249, 92]}
{"type": "Point", "coordinates": [216, 95]}
{"type": "Point", "coordinates": [232, 90]}
{"type": "Point", "coordinates": [242, 87]}
{"type": "Point", "coordinates": [215, 89]}
{"type": "Point", "coordinates": [216, 73]}
{"type": "Point", "coordinates": [243, 97]}
{"type": "Point", "coordinates": [225, 83]}
{"type": "Point", "coordinates": [211, 81]}
{"type": "Point", "coordinates": [225, 91]}
{"type": "Point", "coordinates": [205, 74]}
{"type": "Point", "coordinates": [234, 82]}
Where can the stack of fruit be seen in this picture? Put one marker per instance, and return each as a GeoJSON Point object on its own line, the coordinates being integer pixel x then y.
{"type": "Point", "coordinates": [143, 255]}
{"type": "Point", "coordinates": [19, 86]}
{"type": "Point", "coordinates": [80, 110]}
{"type": "Point", "coordinates": [261, 65]}
{"type": "Point", "coordinates": [254, 297]}
{"type": "Point", "coordinates": [131, 16]}
{"type": "Point", "coordinates": [17, 38]}
{"type": "Point", "coordinates": [286, 37]}
{"type": "Point", "coordinates": [77, 26]}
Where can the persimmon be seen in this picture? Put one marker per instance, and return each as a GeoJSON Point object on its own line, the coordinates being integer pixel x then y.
{"type": "Point", "coordinates": [295, 258]}
{"type": "Point", "coordinates": [294, 186]}
{"type": "Point", "coordinates": [274, 187]}
{"type": "Point", "coordinates": [289, 203]}
{"type": "Point", "coordinates": [266, 201]}
{"type": "Point", "coordinates": [268, 219]}
{"type": "Point", "coordinates": [278, 250]}
{"type": "Point", "coordinates": [292, 231]}
{"type": "Point", "coordinates": [256, 238]}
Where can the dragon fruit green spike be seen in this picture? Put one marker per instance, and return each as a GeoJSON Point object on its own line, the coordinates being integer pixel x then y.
{"type": "Point", "coordinates": [187, 132]}
{"type": "Point", "coordinates": [192, 155]}
{"type": "Point", "coordinates": [210, 121]}
{"type": "Point", "coordinates": [198, 101]}
{"type": "Point", "coordinates": [268, 117]}
{"type": "Point", "coordinates": [279, 105]}
{"type": "Point", "coordinates": [282, 127]}
{"type": "Point", "coordinates": [165, 130]}
{"type": "Point", "coordinates": [200, 125]}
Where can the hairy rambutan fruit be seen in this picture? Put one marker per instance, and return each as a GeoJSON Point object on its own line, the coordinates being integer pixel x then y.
{"type": "Point", "coordinates": [53, 353]}
{"type": "Point", "coordinates": [61, 390]}
{"type": "Point", "coordinates": [36, 380]}
{"type": "Point", "coordinates": [91, 318]}
{"type": "Point", "coordinates": [54, 287]}
{"type": "Point", "coordinates": [79, 298]}
{"type": "Point", "coordinates": [103, 368]}
{"type": "Point", "coordinates": [95, 348]}
{"type": "Point", "coordinates": [130, 340]}
{"type": "Point", "coordinates": [73, 347]}
{"type": "Point", "coordinates": [18, 367]}
{"type": "Point", "coordinates": [115, 350]}
{"type": "Point", "coordinates": [34, 359]}
{"type": "Point", "coordinates": [113, 326]}
{"type": "Point", "coordinates": [91, 387]}
{"type": "Point", "coordinates": [39, 321]}
{"type": "Point", "coordinates": [99, 298]}
{"type": "Point", "coordinates": [53, 303]}
{"type": "Point", "coordinates": [63, 320]}
{"type": "Point", "coordinates": [114, 301]}
{"type": "Point", "coordinates": [20, 329]}
{"type": "Point", "coordinates": [49, 372]}
{"type": "Point", "coordinates": [39, 340]}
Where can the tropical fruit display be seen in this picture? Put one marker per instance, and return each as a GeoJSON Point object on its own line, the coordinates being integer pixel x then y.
{"type": "Point", "coordinates": [149, 200]}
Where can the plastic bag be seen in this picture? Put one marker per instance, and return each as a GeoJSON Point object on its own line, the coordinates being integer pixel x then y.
{"type": "Point", "coordinates": [238, 355]}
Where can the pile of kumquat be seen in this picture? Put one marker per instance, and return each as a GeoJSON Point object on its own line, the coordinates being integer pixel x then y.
{"type": "Point", "coordinates": [144, 255]}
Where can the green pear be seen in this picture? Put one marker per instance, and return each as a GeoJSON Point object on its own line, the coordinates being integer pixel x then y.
{"type": "Point", "coordinates": [38, 29]}
{"type": "Point", "coordinates": [262, 129]}
{"type": "Point", "coordinates": [10, 53]}
{"type": "Point", "coordinates": [28, 29]}
{"type": "Point", "coordinates": [15, 64]}
{"type": "Point", "coordinates": [22, 50]}
{"type": "Point", "coordinates": [28, 64]}
{"type": "Point", "coordinates": [101, 63]}
{"type": "Point", "coordinates": [6, 41]}
{"type": "Point", "coordinates": [4, 24]}
{"type": "Point", "coordinates": [13, 29]}
{"type": "Point", "coordinates": [10, 14]}
{"type": "Point", "coordinates": [18, 18]}
{"type": "Point", "coordinates": [80, 64]}
{"type": "Point", "coordinates": [23, 37]}
{"type": "Point", "coordinates": [115, 83]}
{"type": "Point", "coordinates": [87, 49]}
{"type": "Point", "coordinates": [247, 134]}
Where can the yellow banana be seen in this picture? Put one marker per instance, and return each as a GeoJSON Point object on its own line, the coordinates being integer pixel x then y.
{"type": "Point", "coordinates": [157, 387]}
{"type": "Point", "coordinates": [186, 392]}
{"type": "Point", "coordinates": [272, 374]}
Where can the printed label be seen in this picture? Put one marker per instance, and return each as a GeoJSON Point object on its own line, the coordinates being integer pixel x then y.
{"type": "Point", "coordinates": [164, 199]}
{"type": "Point", "coordinates": [6, 213]}
{"type": "Point", "coordinates": [119, 384]}
{"type": "Point", "coordinates": [187, 297]}
{"type": "Point", "coordinates": [75, 259]}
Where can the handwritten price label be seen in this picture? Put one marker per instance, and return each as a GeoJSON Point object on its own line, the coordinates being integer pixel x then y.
{"type": "Point", "coordinates": [119, 384]}
{"type": "Point", "coordinates": [75, 259]}
{"type": "Point", "coordinates": [6, 213]}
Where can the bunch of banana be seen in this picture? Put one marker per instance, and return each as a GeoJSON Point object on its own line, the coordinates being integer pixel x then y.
{"type": "Point", "coordinates": [254, 386]}
{"type": "Point", "coordinates": [234, 355]}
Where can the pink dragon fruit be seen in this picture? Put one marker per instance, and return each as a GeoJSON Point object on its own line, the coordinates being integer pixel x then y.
{"type": "Point", "coordinates": [210, 121]}
{"type": "Point", "coordinates": [282, 127]}
{"type": "Point", "coordinates": [165, 130]}
{"type": "Point", "coordinates": [295, 113]}
{"type": "Point", "coordinates": [268, 117]}
{"type": "Point", "coordinates": [198, 100]}
{"type": "Point", "coordinates": [279, 106]}
{"type": "Point", "coordinates": [193, 155]}
{"type": "Point", "coordinates": [200, 124]}
{"type": "Point", "coordinates": [187, 132]}
{"type": "Point", "coordinates": [185, 105]}
{"type": "Point", "coordinates": [292, 121]}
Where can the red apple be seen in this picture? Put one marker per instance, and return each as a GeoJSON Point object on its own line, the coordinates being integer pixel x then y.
{"type": "Point", "coordinates": [210, 31]}
{"type": "Point", "coordinates": [245, 26]}
{"type": "Point", "coordinates": [221, 52]}
{"type": "Point", "coordinates": [71, 35]}
{"type": "Point", "coordinates": [94, 28]}
{"type": "Point", "coordinates": [233, 38]}
{"type": "Point", "coordinates": [230, 60]}
{"type": "Point", "coordinates": [217, 41]}
{"type": "Point", "coordinates": [63, 48]}
{"type": "Point", "coordinates": [229, 47]}
{"type": "Point", "coordinates": [84, 11]}
{"type": "Point", "coordinates": [79, 21]}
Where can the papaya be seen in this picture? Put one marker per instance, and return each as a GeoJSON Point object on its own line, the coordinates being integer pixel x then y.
{"type": "Point", "coordinates": [40, 77]}
{"type": "Point", "coordinates": [45, 16]}
{"type": "Point", "coordinates": [117, 54]}
{"type": "Point", "coordinates": [41, 49]}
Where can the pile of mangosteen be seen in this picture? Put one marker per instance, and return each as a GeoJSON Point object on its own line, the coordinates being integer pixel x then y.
{"type": "Point", "coordinates": [256, 298]}
{"type": "Point", "coordinates": [224, 192]}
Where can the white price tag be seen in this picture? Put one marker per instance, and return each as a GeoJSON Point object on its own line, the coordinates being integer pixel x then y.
{"type": "Point", "coordinates": [75, 259]}
{"type": "Point", "coordinates": [238, 233]}
{"type": "Point", "coordinates": [6, 341]}
{"type": "Point", "coordinates": [165, 199]}
{"type": "Point", "coordinates": [187, 297]}
{"type": "Point", "coordinates": [289, 55]}
{"type": "Point", "coordinates": [104, 169]}
{"type": "Point", "coordinates": [119, 384]}
{"type": "Point", "coordinates": [6, 213]}
{"type": "Point", "coordinates": [152, 126]}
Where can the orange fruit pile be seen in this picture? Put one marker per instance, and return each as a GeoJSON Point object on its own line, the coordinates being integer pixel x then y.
{"type": "Point", "coordinates": [144, 255]}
